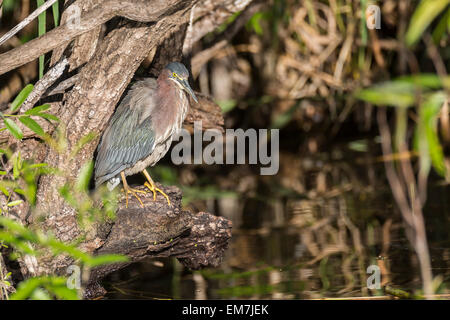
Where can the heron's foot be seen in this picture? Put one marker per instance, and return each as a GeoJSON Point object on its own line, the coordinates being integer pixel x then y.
{"type": "Point", "coordinates": [154, 189]}
{"type": "Point", "coordinates": [134, 192]}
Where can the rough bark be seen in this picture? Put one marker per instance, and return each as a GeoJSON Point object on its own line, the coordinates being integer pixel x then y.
{"type": "Point", "coordinates": [197, 240]}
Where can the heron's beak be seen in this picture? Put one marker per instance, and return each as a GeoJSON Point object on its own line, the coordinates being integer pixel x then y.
{"type": "Point", "coordinates": [188, 88]}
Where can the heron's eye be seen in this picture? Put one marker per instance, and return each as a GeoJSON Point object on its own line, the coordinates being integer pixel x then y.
{"type": "Point", "coordinates": [174, 75]}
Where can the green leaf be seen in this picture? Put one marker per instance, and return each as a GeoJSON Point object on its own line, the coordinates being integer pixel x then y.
{"type": "Point", "coordinates": [430, 111]}
{"type": "Point", "coordinates": [84, 177]}
{"type": "Point", "coordinates": [391, 93]}
{"type": "Point", "coordinates": [48, 116]}
{"type": "Point", "coordinates": [32, 125]}
{"type": "Point", "coordinates": [37, 165]}
{"type": "Point", "coordinates": [255, 24]}
{"type": "Point", "coordinates": [82, 142]}
{"type": "Point", "coordinates": [4, 190]}
{"type": "Point", "coordinates": [21, 97]}
{"type": "Point", "coordinates": [16, 167]}
{"type": "Point", "coordinates": [13, 128]}
{"type": "Point", "coordinates": [19, 191]}
{"type": "Point", "coordinates": [106, 259]}
{"type": "Point", "coordinates": [14, 203]}
{"type": "Point", "coordinates": [227, 105]}
{"type": "Point", "coordinates": [425, 13]}
{"type": "Point", "coordinates": [442, 28]}
{"type": "Point", "coordinates": [55, 10]}
{"type": "Point", "coordinates": [40, 294]}
{"type": "Point", "coordinates": [426, 81]}
{"type": "Point", "coordinates": [41, 31]}
{"type": "Point", "coordinates": [62, 292]}
{"type": "Point", "coordinates": [37, 109]}
{"type": "Point", "coordinates": [25, 289]}
{"type": "Point", "coordinates": [426, 139]}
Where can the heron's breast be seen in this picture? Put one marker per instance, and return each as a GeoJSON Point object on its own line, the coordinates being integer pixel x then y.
{"type": "Point", "coordinates": [170, 116]}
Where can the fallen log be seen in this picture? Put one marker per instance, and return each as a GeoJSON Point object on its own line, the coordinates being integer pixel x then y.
{"type": "Point", "coordinates": [158, 230]}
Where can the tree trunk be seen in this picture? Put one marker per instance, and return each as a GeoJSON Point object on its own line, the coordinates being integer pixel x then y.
{"type": "Point", "coordinates": [104, 65]}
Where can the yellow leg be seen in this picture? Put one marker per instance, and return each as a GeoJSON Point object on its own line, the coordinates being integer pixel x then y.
{"type": "Point", "coordinates": [151, 185]}
{"type": "Point", "coordinates": [128, 189]}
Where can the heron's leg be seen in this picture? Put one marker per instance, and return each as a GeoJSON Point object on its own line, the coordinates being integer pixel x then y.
{"type": "Point", "coordinates": [128, 189]}
{"type": "Point", "coordinates": [151, 185]}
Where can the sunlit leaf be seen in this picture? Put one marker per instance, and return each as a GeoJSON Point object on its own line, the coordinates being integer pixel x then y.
{"type": "Point", "coordinates": [17, 166]}
{"type": "Point", "coordinates": [84, 177]}
{"type": "Point", "coordinates": [227, 105]}
{"type": "Point", "coordinates": [82, 142]}
{"type": "Point", "coordinates": [426, 81]}
{"type": "Point", "coordinates": [391, 93]}
{"type": "Point", "coordinates": [430, 111]}
{"type": "Point", "coordinates": [4, 190]}
{"type": "Point", "coordinates": [107, 259]}
{"type": "Point", "coordinates": [38, 109]}
{"type": "Point", "coordinates": [48, 116]}
{"type": "Point", "coordinates": [40, 294]}
{"type": "Point", "coordinates": [64, 293]}
{"type": "Point", "coordinates": [41, 31]}
{"type": "Point", "coordinates": [426, 137]}
{"type": "Point", "coordinates": [13, 128]}
{"type": "Point", "coordinates": [32, 125]}
{"type": "Point", "coordinates": [255, 23]}
{"type": "Point", "coordinates": [14, 203]}
{"type": "Point", "coordinates": [41, 288]}
{"type": "Point", "coordinates": [37, 165]}
{"type": "Point", "coordinates": [358, 145]}
{"type": "Point", "coordinates": [25, 289]}
{"type": "Point", "coordinates": [443, 28]}
{"type": "Point", "coordinates": [424, 14]}
{"type": "Point", "coordinates": [55, 10]}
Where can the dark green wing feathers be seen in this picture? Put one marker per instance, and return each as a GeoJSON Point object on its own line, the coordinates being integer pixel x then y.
{"type": "Point", "coordinates": [128, 139]}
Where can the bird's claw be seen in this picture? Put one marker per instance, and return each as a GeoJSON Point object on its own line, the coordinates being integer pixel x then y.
{"type": "Point", "coordinates": [154, 189]}
{"type": "Point", "coordinates": [134, 192]}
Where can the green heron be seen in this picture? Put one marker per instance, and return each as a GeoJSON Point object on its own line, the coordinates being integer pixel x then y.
{"type": "Point", "coordinates": [140, 132]}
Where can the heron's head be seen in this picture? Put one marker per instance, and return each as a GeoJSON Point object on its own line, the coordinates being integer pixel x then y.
{"type": "Point", "coordinates": [178, 73]}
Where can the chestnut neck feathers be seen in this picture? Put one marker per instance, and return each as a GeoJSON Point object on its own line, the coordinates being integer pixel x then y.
{"type": "Point", "coordinates": [171, 106]}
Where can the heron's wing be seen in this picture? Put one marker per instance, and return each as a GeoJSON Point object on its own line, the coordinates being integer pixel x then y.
{"type": "Point", "coordinates": [129, 136]}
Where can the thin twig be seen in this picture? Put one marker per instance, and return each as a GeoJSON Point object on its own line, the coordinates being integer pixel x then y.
{"type": "Point", "coordinates": [411, 212]}
{"type": "Point", "coordinates": [42, 85]}
{"type": "Point", "coordinates": [63, 85]}
{"type": "Point", "coordinates": [136, 10]}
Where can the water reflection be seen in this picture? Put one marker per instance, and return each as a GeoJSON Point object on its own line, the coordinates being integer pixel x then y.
{"type": "Point", "coordinates": [310, 232]}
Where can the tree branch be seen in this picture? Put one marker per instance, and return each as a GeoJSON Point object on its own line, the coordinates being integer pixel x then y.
{"type": "Point", "coordinates": [26, 21]}
{"type": "Point", "coordinates": [137, 10]}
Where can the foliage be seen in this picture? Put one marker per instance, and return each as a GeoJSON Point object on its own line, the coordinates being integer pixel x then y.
{"type": "Point", "coordinates": [425, 13]}
{"type": "Point", "coordinates": [45, 288]}
{"type": "Point", "coordinates": [428, 92]}
{"type": "Point", "coordinates": [42, 28]}
{"type": "Point", "coordinates": [406, 92]}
